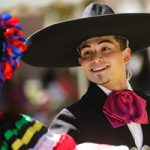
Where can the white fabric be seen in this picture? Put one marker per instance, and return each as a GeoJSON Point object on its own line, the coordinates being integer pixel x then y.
{"type": "Point", "coordinates": [47, 142]}
{"type": "Point", "coordinates": [92, 146]}
{"type": "Point", "coordinates": [136, 131]}
{"type": "Point", "coordinates": [135, 128]}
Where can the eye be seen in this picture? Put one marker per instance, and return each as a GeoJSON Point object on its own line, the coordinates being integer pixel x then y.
{"type": "Point", "coordinates": [105, 49]}
{"type": "Point", "coordinates": [86, 54]}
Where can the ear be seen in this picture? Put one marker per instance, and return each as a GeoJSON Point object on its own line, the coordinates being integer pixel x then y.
{"type": "Point", "coordinates": [126, 54]}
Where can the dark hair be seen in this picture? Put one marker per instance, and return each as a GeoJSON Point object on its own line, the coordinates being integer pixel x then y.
{"type": "Point", "coordinates": [123, 41]}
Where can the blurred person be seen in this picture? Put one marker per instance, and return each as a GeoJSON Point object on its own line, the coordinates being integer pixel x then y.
{"type": "Point", "coordinates": [59, 87]}
{"type": "Point", "coordinates": [19, 131]}
{"type": "Point", "coordinates": [57, 91]}
{"type": "Point", "coordinates": [14, 96]}
{"type": "Point", "coordinates": [110, 112]}
{"type": "Point", "coordinates": [141, 71]}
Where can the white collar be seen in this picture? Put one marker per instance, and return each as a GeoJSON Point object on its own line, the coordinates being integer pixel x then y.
{"type": "Point", "coordinates": [107, 91]}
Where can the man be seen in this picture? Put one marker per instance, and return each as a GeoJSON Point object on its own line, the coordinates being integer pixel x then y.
{"type": "Point", "coordinates": [109, 112]}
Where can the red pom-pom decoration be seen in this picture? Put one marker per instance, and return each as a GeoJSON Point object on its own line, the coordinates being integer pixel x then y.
{"type": "Point", "coordinates": [13, 45]}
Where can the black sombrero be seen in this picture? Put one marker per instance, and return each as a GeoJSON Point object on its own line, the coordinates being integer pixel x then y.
{"type": "Point", "coordinates": [56, 45]}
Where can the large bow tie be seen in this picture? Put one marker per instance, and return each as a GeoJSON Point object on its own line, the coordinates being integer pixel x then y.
{"type": "Point", "coordinates": [123, 107]}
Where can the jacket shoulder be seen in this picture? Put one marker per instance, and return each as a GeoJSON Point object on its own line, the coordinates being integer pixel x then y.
{"type": "Point", "coordinates": [68, 116]}
{"type": "Point", "coordinates": [144, 95]}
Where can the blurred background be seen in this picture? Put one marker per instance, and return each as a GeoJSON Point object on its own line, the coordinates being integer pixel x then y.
{"type": "Point", "coordinates": [43, 92]}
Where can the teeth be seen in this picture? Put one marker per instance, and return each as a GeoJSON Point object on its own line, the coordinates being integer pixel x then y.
{"type": "Point", "coordinates": [98, 69]}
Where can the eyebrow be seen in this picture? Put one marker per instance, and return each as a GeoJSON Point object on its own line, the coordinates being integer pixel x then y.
{"type": "Point", "coordinates": [98, 42]}
{"type": "Point", "coordinates": [105, 41]}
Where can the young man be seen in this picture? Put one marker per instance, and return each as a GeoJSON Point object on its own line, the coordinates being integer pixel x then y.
{"type": "Point", "coordinates": [110, 112]}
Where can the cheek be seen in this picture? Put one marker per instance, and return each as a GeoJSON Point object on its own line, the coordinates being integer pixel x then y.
{"type": "Point", "coordinates": [84, 62]}
{"type": "Point", "coordinates": [118, 69]}
{"type": "Point", "coordinates": [117, 65]}
{"type": "Point", "coordinates": [86, 70]}
{"type": "Point", "coordinates": [118, 60]}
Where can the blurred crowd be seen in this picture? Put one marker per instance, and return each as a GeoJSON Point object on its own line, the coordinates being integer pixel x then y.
{"type": "Point", "coordinates": [41, 99]}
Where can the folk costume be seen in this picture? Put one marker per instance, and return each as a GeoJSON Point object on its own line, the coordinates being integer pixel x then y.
{"type": "Point", "coordinates": [116, 118]}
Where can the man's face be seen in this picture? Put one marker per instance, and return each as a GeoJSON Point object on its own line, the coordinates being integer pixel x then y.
{"type": "Point", "coordinates": [104, 62]}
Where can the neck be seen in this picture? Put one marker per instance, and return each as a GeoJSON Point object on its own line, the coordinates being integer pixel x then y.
{"type": "Point", "coordinates": [116, 86]}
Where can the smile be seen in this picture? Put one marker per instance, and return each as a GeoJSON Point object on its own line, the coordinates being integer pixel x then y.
{"type": "Point", "coordinates": [99, 69]}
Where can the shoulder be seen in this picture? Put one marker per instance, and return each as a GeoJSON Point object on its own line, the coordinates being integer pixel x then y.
{"type": "Point", "coordinates": [144, 95]}
{"type": "Point", "coordinates": [68, 118]}
{"type": "Point", "coordinates": [68, 114]}
{"type": "Point", "coordinates": [65, 120]}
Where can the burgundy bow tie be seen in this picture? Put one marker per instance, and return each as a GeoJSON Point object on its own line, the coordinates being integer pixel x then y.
{"type": "Point", "coordinates": [123, 107]}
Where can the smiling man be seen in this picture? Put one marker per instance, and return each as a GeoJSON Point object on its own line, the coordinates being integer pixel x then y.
{"type": "Point", "coordinates": [110, 112]}
{"type": "Point", "coordinates": [102, 56]}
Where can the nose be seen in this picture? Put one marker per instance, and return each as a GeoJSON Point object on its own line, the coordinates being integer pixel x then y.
{"type": "Point", "coordinates": [95, 61]}
{"type": "Point", "coordinates": [97, 58]}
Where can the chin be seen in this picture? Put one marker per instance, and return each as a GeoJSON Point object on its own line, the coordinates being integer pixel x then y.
{"type": "Point", "coordinates": [102, 82]}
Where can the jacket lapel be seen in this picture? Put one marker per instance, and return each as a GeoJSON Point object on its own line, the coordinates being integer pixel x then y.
{"type": "Point", "coordinates": [126, 134]}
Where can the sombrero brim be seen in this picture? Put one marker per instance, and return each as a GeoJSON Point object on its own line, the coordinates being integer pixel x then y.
{"type": "Point", "coordinates": [56, 45]}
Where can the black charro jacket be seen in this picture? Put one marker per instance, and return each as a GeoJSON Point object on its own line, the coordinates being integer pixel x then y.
{"type": "Point", "coordinates": [85, 121]}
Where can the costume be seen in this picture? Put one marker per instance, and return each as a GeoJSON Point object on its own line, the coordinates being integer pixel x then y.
{"type": "Point", "coordinates": [85, 121]}
{"type": "Point", "coordinates": [12, 45]}
{"type": "Point", "coordinates": [21, 132]}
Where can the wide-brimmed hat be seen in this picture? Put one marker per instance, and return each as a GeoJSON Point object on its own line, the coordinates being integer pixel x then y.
{"type": "Point", "coordinates": [56, 45]}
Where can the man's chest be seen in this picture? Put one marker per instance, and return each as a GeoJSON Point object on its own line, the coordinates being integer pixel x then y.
{"type": "Point", "coordinates": [96, 128]}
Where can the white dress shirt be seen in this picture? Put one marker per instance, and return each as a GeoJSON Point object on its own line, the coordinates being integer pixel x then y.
{"type": "Point", "coordinates": [135, 128]}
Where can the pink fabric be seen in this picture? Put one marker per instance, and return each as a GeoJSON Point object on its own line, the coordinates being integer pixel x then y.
{"type": "Point", "coordinates": [123, 107]}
